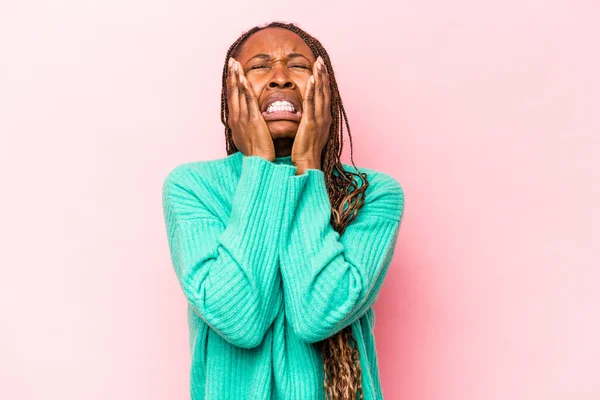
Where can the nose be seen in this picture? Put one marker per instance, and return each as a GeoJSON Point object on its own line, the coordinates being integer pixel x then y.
{"type": "Point", "coordinates": [280, 78]}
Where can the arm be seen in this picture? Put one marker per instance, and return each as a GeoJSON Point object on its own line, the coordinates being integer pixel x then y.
{"type": "Point", "coordinates": [228, 271]}
{"type": "Point", "coordinates": [331, 280]}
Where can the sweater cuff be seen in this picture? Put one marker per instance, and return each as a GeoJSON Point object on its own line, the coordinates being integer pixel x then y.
{"type": "Point", "coordinates": [261, 186]}
{"type": "Point", "coordinates": [312, 189]}
{"type": "Point", "coordinates": [309, 205]}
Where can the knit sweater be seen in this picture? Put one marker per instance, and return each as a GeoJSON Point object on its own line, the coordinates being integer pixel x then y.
{"type": "Point", "coordinates": [266, 276]}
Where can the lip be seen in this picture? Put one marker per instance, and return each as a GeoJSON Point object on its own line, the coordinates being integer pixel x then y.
{"type": "Point", "coordinates": [281, 97]}
{"type": "Point", "coordinates": [282, 115]}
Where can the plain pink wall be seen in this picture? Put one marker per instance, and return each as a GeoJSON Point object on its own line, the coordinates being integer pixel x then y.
{"type": "Point", "coordinates": [486, 112]}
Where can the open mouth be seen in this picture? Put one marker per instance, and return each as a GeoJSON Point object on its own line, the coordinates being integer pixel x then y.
{"type": "Point", "coordinates": [281, 110]}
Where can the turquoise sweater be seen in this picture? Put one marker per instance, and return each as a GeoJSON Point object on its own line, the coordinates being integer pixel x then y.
{"type": "Point", "coordinates": [266, 276]}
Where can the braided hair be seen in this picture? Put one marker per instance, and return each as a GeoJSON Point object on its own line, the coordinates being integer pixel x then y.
{"type": "Point", "coordinates": [341, 358]}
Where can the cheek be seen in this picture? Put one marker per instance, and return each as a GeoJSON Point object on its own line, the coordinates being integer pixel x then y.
{"type": "Point", "coordinates": [302, 89]}
{"type": "Point", "coordinates": [257, 86]}
{"type": "Point", "coordinates": [256, 89]}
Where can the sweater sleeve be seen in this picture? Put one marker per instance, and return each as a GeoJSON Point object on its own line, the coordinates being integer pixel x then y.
{"type": "Point", "coordinates": [329, 281]}
{"type": "Point", "coordinates": [229, 270]}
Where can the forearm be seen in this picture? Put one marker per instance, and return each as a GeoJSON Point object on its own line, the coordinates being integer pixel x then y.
{"type": "Point", "coordinates": [331, 280]}
{"type": "Point", "coordinates": [228, 268]}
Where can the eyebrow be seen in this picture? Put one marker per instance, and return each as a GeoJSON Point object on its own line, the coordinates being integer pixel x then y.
{"type": "Point", "coordinates": [267, 57]}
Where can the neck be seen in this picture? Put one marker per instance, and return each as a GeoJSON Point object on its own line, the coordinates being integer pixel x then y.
{"type": "Point", "coordinates": [283, 147]}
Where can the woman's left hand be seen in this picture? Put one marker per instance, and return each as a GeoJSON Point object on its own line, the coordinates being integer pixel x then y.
{"type": "Point", "coordinates": [313, 131]}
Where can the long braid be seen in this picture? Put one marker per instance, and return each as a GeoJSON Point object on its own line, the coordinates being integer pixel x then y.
{"type": "Point", "coordinates": [341, 357]}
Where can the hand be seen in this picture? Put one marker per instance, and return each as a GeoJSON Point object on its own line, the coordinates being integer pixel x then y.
{"type": "Point", "coordinates": [313, 131]}
{"type": "Point", "coordinates": [249, 129]}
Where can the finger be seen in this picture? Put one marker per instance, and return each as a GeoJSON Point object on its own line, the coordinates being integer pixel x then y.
{"type": "Point", "coordinates": [318, 88]}
{"type": "Point", "coordinates": [233, 100]}
{"type": "Point", "coordinates": [242, 94]}
{"type": "Point", "coordinates": [326, 92]}
{"type": "Point", "coordinates": [308, 105]}
{"type": "Point", "coordinates": [251, 102]}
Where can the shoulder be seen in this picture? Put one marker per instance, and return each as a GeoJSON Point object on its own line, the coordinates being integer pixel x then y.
{"type": "Point", "coordinates": [379, 181]}
{"type": "Point", "coordinates": [195, 174]}
{"type": "Point", "coordinates": [384, 194]}
{"type": "Point", "coordinates": [205, 181]}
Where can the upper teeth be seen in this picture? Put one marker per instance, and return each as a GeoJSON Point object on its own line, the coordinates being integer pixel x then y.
{"type": "Point", "coordinates": [281, 106]}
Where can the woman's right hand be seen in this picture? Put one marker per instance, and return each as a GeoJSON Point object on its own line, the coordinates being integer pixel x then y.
{"type": "Point", "coordinates": [249, 129]}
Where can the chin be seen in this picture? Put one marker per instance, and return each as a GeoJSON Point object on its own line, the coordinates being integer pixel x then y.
{"type": "Point", "coordinates": [282, 129]}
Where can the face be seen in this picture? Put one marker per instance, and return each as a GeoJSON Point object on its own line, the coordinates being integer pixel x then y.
{"type": "Point", "coordinates": [277, 63]}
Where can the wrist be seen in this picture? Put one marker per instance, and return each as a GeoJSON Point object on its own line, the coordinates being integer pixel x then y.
{"type": "Point", "coordinates": [269, 156]}
{"type": "Point", "coordinates": [301, 167]}
{"type": "Point", "coordinates": [310, 161]}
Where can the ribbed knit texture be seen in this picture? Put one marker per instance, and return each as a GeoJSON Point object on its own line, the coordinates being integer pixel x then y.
{"type": "Point", "coordinates": [266, 276]}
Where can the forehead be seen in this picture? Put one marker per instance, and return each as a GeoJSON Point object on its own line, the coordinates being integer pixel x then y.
{"type": "Point", "coordinates": [274, 41]}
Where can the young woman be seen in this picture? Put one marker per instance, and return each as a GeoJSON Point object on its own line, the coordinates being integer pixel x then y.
{"type": "Point", "coordinates": [279, 248]}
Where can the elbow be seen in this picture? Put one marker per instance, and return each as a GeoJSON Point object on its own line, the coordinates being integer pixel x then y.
{"type": "Point", "coordinates": [312, 326]}
{"type": "Point", "coordinates": [311, 330]}
{"type": "Point", "coordinates": [241, 323]}
{"type": "Point", "coordinates": [247, 340]}
{"type": "Point", "coordinates": [245, 332]}
{"type": "Point", "coordinates": [242, 328]}
{"type": "Point", "coordinates": [308, 336]}
{"type": "Point", "coordinates": [316, 334]}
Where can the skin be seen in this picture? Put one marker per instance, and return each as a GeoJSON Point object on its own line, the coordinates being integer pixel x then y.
{"type": "Point", "coordinates": [252, 81]}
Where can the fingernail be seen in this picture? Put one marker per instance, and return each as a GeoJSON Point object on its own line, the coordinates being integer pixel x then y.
{"type": "Point", "coordinates": [312, 79]}
{"type": "Point", "coordinates": [319, 66]}
{"type": "Point", "coordinates": [230, 62]}
{"type": "Point", "coordinates": [235, 66]}
{"type": "Point", "coordinates": [321, 60]}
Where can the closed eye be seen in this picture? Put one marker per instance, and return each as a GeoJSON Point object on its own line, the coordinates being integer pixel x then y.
{"type": "Point", "coordinates": [291, 66]}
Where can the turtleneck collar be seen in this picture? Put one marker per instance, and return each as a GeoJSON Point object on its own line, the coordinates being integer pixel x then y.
{"type": "Point", "coordinates": [284, 160]}
{"type": "Point", "coordinates": [278, 160]}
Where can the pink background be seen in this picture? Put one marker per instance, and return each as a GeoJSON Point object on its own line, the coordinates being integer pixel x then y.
{"type": "Point", "coordinates": [486, 112]}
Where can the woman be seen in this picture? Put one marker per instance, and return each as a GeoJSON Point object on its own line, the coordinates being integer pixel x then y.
{"type": "Point", "coordinates": [279, 249]}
